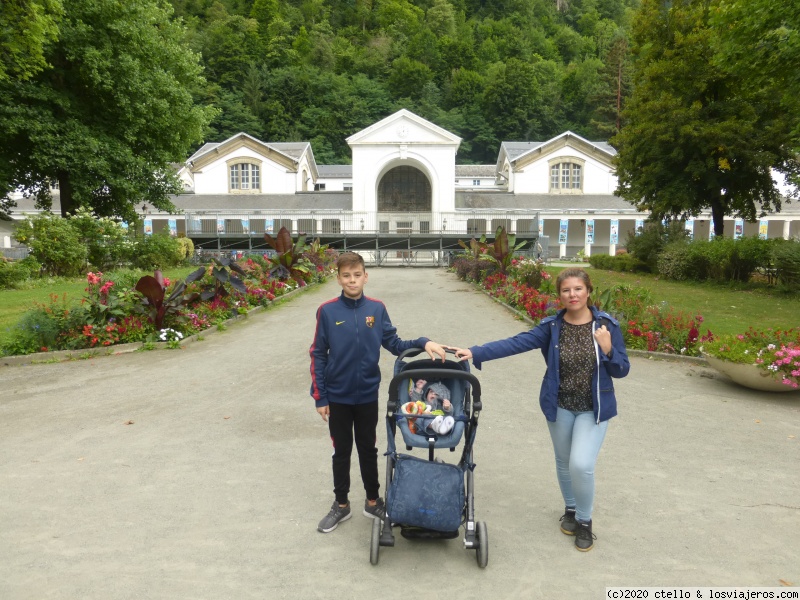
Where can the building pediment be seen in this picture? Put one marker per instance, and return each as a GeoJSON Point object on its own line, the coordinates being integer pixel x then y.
{"type": "Point", "coordinates": [602, 153]}
{"type": "Point", "coordinates": [404, 128]}
{"type": "Point", "coordinates": [233, 146]}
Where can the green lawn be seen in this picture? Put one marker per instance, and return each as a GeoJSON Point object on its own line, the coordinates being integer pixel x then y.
{"type": "Point", "coordinates": [724, 310]}
{"type": "Point", "coordinates": [13, 303]}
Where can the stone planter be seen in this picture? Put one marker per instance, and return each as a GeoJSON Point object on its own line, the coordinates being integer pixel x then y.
{"type": "Point", "coordinates": [749, 376]}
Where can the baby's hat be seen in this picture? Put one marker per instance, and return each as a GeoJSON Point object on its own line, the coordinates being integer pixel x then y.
{"type": "Point", "coordinates": [439, 389]}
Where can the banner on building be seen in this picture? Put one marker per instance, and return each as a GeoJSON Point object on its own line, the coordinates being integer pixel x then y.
{"type": "Point", "coordinates": [541, 227]}
{"type": "Point", "coordinates": [148, 226]}
{"type": "Point", "coordinates": [220, 225]}
{"type": "Point", "coordinates": [562, 231]}
{"type": "Point", "coordinates": [763, 225]}
{"type": "Point", "coordinates": [711, 233]}
{"type": "Point", "coordinates": [614, 235]}
{"type": "Point", "coordinates": [245, 225]}
{"type": "Point", "coordinates": [173, 227]}
{"type": "Point", "coordinates": [268, 226]}
{"type": "Point", "coordinates": [639, 226]}
{"type": "Point", "coordinates": [689, 226]}
{"type": "Point", "coordinates": [590, 231]}
{"type": "Point", "coordinates": [738, 229]}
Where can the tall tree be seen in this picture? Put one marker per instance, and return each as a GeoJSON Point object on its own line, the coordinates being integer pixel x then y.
{"type": "Point", "coordinates": [694, 137]}
{"type": "Point", "coordinates": [760, 41]}
{"type": "Point", "coordinates": [109, 116]}
{"type": "Point", "coordinates": [26, 28]}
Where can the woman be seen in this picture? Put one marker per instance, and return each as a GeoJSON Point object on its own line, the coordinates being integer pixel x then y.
{"type": "Point", "coordinates": [583, 349]}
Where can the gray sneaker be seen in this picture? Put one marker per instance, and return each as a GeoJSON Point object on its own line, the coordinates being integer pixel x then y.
{"type": "Point", "coordinates": [333, 518]}
{"type": "Point", "coordinates": [376, 512]}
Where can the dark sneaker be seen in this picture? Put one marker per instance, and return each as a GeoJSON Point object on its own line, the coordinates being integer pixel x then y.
{"type": "Point", "coordinates": [376, 512]}
{"type": "Point", "coordinates": [333, 518]}
{"type": "Point", "coordinates": [568, 522]}
{"type": "Point", "coordinates": [584, 538]}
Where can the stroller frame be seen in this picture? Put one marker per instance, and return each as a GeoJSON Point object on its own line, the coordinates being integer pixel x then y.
{"type": "Point", "coordinates": [475, 532]}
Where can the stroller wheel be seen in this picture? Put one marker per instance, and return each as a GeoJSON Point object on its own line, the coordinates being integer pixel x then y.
{"type": "Point", "coordinates": [375, 543]}
{"type": "Point", "coordinates": [482, 537]}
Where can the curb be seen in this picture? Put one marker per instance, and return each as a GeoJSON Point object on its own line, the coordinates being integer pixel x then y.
{"type": "Point", "coordinates": [58, 356]}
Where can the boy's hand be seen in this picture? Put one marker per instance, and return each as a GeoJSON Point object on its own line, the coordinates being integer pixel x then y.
{"type": "Point", "coordinates": [324, 411]}
{"type": "Point", "coordinates": [446, 404]}
{"type": "Point", "coordinates": [432, 348]}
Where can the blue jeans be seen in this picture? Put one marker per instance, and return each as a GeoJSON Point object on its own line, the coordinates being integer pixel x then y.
{"type": "Point", "coordinates": [576, 440]}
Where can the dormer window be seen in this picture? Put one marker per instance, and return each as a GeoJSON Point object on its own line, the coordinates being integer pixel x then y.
{"type": "Point", "coordinates": [244, 177]}
{"type": "Point", "coordinates": [566, 175]}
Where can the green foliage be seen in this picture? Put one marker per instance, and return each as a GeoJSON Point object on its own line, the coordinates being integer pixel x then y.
{"type": "Point", "coordinates": [112, 108]}
{"type": "Point", "coordinates": [156, 252]}
{"type": "Point", "coordinates": [723, 136]}
{"type": "Point", "coordinates": [186, 248]}
{"type": "Point", "coordinates": [27, 28]}
{"type": "Point", "coordinates": [107, 242]}
{"type": "Point", "coordinates": [787, 264]}
{"type": "Point", "coordinates": [53, 242]}
{"type": "Point", "coordinates": [12, 273]}
{"type": "Point", "coordinates": [221, 273]}
{"type": "Point", "coordinates": [646, 246]}
{"type": "Point", "coordinates": [621, 262]}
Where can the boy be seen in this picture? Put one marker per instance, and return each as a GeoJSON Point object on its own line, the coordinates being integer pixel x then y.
{"type": "Point", "coordinates": [345, 376]}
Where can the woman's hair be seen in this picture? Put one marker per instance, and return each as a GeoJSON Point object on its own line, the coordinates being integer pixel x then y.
{"type": "Point", "coordinates": [349, 259]}
{"type": "Point", "coordinates": [577, 273]}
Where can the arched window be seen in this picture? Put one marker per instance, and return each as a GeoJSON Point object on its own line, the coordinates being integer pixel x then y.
{"type": "Point", "coordinates": [404, 189]}
{"type": "Point", "coordinates": [244, 177]}
{"type": "Point", "coordinates": [566, 175]}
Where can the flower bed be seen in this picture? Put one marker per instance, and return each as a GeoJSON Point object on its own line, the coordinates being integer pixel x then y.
{"type": "Point", "coordinates": [158, 310]}
{"type": "Point", "coordinates": [528, 288]}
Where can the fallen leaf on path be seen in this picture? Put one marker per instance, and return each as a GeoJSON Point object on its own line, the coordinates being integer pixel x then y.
{"type": "Point", "coordinates": [756, 421]}
{"type": "Point", "coordinates": [81, 458]}
{"type": "Point", "coordinates": [128, 422]}
{"type": "Point", "coordinates": [226, 417]}
{"type": "Point", "coordinates": [784, 582]}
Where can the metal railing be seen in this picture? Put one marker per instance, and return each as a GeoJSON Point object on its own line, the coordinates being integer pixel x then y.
{"type": "Point", "coordinates": [324, 222]}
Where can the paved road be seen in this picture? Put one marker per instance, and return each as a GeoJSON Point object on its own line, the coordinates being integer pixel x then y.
{"type": "Point", "coordinates": [202, 473]}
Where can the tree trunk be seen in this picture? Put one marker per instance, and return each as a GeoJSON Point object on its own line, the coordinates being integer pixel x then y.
{"type": "Point", "coordinates": [65, 192]}
{"type": "Point", "coordinates": [718, 216]}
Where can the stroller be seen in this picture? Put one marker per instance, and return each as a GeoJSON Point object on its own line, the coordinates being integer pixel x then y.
{"type": "Point", "coordinates": [427, 497]}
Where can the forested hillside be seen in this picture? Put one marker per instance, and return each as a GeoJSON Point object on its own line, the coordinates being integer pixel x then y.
{"type": "Point", "coordinates": [487, 70]}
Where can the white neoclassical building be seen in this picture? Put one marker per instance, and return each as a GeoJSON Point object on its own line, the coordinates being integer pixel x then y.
{"type": "Point", "coordinates": [405, 194]}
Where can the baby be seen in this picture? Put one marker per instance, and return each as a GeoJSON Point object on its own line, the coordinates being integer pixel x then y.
{"type": "Point", "coordinates": [432, 404]}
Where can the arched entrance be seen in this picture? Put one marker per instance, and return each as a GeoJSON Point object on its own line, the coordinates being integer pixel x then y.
{"type": "Point", "coordinates": [404, 189]}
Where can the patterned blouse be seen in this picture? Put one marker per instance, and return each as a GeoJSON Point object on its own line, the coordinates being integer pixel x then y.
{"type": "Point", "coordinates": [577, 367]}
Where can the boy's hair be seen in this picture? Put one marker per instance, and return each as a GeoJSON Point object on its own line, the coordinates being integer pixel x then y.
{"type": "Point", "coordinates": [574, 272]}
{"type": "Point", "coordinates": [349, 259]}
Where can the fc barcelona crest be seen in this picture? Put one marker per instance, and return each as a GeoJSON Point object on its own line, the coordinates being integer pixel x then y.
{"type": "Point", "coordinates": [370, 321]}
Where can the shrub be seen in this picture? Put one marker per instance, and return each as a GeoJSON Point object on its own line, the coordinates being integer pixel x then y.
{"type": "Point", "coordinates": [186, 248]}
{"type": "Point", "coordinates": [54, 243]}
{"type": "Point", "coordinates": [623, 262]}
{"type": "Point", "coordinates": [106, 241]}
{"type": "Point", "coordinates": [12, 273]}
{"type": "Point", "coordinates": [786, 258]}
{"type": "Point", "coordinates": [681, 261]}
{"type": "Point", "coordinates": [651, 241]}
{"type": "Point", "coordinates": [156, 252]}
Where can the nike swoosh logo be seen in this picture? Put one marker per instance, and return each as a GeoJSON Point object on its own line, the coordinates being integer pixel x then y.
{"type": "Point", "coordinates": [339, 322]}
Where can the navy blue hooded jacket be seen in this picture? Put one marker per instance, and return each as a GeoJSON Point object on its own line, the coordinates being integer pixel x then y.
{"type": "Point", "coordinates": [546, 336]}
{"type": "Point", "coordinates": [346, 350]}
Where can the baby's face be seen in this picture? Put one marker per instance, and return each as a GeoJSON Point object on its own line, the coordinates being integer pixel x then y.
{"type": "Point", "coordinates": [432, 396]}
